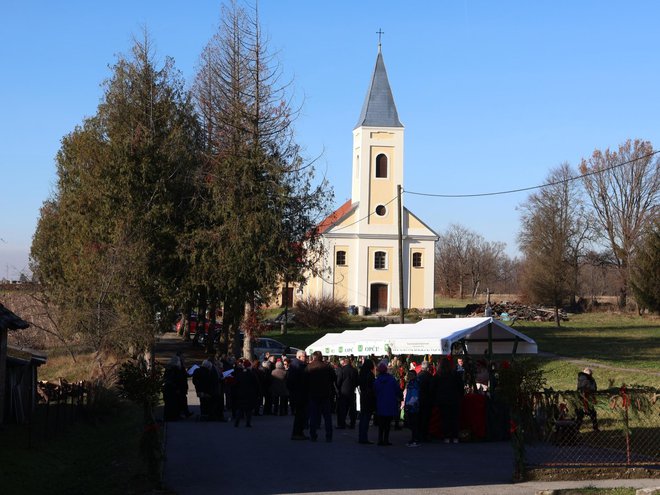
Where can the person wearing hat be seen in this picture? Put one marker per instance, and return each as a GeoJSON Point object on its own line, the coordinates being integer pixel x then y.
{"type": "Point", "coordinates": [587, 387]}
{"type": "Point", "coordinates": [388, 398]}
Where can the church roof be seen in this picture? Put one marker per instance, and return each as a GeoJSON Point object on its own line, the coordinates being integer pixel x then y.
{"type": "Point", "coordinates": [335, 216]}
{"type": "Point", "coordinates": [379, 109]}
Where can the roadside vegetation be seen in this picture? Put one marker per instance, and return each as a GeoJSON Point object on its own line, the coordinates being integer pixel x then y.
{"type": "Point", "coordinates": [100, 457]}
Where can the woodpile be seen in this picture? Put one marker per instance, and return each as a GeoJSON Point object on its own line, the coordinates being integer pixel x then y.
{"type": "Point", "coordinates": [62, 391]}
{"type": "Point", "coordinates": [517, 311]}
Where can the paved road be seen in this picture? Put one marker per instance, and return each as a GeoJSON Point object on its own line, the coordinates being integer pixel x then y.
{"type": "Point", "coordinates": [206, 458]}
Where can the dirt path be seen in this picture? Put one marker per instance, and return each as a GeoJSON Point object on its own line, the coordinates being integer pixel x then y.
{"type": "Point", "coordinates": [585, 362]}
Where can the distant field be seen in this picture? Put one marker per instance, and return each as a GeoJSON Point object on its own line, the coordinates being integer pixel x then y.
{"type": "Point", "coordinates": [452, 302]}
{"type": "Point", "coordinates": [620, 340]}
{"type": "Point", "coordinates": [627, 348]}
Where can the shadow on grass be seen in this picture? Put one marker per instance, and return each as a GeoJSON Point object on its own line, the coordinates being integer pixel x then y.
{"type": "Point", "coordinates": [98, 457]}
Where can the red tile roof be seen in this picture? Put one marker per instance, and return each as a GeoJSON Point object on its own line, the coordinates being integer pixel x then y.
{"type": "Point", "coordinates": [336, 215]}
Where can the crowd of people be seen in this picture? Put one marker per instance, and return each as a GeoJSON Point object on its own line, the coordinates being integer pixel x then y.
{"type": "Point", "coordinates": [391, 392]}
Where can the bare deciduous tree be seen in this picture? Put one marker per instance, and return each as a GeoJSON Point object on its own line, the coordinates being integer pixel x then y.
{"type": "Point", "coordinates": [466, 261]}
{"type": "Point", "coordinates": [624, 188]}
{"type": "Point", "coordinates": [554, 232]}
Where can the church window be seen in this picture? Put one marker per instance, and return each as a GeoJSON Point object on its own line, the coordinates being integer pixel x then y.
{"type": "Point", "coordinates": [341, 258]}
{"type": "Point", "coordinates": [417, 260]}
{"type": "Point", "coordinates": [381, 165]}
{"type": "Point", "coordinates": [380, 258]}
{"type": "Point", "coordinates": [381, 210]}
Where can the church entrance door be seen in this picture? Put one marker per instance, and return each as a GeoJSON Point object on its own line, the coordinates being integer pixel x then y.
{"type": "Point", "coordinates": [378, 298]}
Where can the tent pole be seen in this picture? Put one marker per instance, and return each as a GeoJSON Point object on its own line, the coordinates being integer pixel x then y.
{"type": "Point", "coordinates": [490, 341]}
{"type": "Point", "coordinates": [515, 347]}
{"type": "Point", "coordinates": [490, 355]}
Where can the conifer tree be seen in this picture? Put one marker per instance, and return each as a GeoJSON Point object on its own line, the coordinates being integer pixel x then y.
{"type": "Point", "coordinates": [106, 243]}
{"type": "Point", "coordinates": [645, 280]}
{"type": "Point", "coordinates": [259, 202]}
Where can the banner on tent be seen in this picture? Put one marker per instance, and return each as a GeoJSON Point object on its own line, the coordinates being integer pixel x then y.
{"type": "Point", "coordinates": [418, 347]}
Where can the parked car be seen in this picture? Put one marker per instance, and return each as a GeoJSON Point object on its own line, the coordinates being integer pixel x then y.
{"type": "Point", "coordinates": [262, 345]}
{"type": "Point", "coordinates": [276, 322]}
{"type": "Point", "coordinates": [193, 326]}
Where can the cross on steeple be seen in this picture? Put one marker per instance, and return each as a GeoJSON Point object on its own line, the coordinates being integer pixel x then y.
{"type": "Point", "coordinates": [380, 33]}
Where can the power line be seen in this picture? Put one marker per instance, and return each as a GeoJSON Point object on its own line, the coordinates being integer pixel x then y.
{"type": "Point", "coordinates": [510, 191]}
{"type": "Point", "coordinates": [531, 188]}
{"type": "Point", "coordinates": [363, 218]}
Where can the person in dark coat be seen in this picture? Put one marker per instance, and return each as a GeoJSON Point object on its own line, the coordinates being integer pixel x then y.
{"type": "Point", "coordinates": [268, 365]}
{"type": "Point", "coordinates": [367, 399]}
{"type": "Point", "coordinates": [295, 383]}
{"type": "Point", "coordinates": [347, 382]}
{"type": "Point", "coordinates": [182, 388]}
{"type": "Point", "coordinates": [587, 387]}
{"type": "Point", "coordinates": [425, 382]}
{"type": "Point", "coordinates": [411, 408]}
{"type": "Point", "coordinates": [448, 394]}
{"type": "Point", "coordinates": [247, 392]}
{"type": "Point", "coordinates": [173, 389]}
{"type": "Point", "coordinates": [206, 381]}
{"type": "Point", "coordinates": [260, 374]}
{"type": "Point", "coordinates": [320, 379]}
{"type": "Point", "coordinates": [388, 398]}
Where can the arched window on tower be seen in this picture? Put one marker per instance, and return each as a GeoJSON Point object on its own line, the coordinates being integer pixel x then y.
{"type": "Point", "coordinates": [381, 166]}
{"type": "Point", "coordinates": [417, 260]}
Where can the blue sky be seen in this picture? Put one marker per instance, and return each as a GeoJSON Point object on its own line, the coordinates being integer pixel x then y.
{"type": "Point", "coordinates": [492, 94]}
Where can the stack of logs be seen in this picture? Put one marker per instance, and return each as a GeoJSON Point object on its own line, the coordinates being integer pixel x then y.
{"type": "Point", "coordinates": [62, 391]}
{"type": "Point", "coordinates": [517, 311]}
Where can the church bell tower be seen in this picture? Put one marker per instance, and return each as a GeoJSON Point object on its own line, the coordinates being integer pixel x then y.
{"type": "Point", "coordinates": [377, 156]}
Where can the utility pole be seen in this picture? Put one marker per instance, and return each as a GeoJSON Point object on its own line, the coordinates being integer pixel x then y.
{"type": "Point", "coordinates": [399, 207]}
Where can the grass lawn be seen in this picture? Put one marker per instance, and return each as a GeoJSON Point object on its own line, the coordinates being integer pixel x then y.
{"type": "Point", "coordinates": [619, 343]}
{"type": "Point", "coordinates": [97, 458]}
{"type": "Point", "coordinates": [61, 365]}
{"type": "Point", "coordinates": [562, 375]}
{"type": "Point", "coordinates": [626, 341]}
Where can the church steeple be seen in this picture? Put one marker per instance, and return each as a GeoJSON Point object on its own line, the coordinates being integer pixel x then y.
{"type": "Point", "coordinates": [379, 109]}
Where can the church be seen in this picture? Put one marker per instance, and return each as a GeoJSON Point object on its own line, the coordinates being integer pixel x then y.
{"type": "Point", "coordinates": [361, 237]}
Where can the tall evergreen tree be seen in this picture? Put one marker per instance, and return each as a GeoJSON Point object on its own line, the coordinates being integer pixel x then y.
{"type": "Point", "coordinates": [645, 280]}
{"type": "Point", "coordinates": [260, 202]}
{"type": "Point", "coordinates": [106, 243]}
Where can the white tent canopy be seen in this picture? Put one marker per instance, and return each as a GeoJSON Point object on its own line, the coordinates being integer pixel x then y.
{"type": "Point", "coordinates": [430, 336]}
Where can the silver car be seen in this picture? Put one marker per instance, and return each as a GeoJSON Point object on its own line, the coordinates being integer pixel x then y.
{"type": "Point", "coordinates": [262, 345]}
